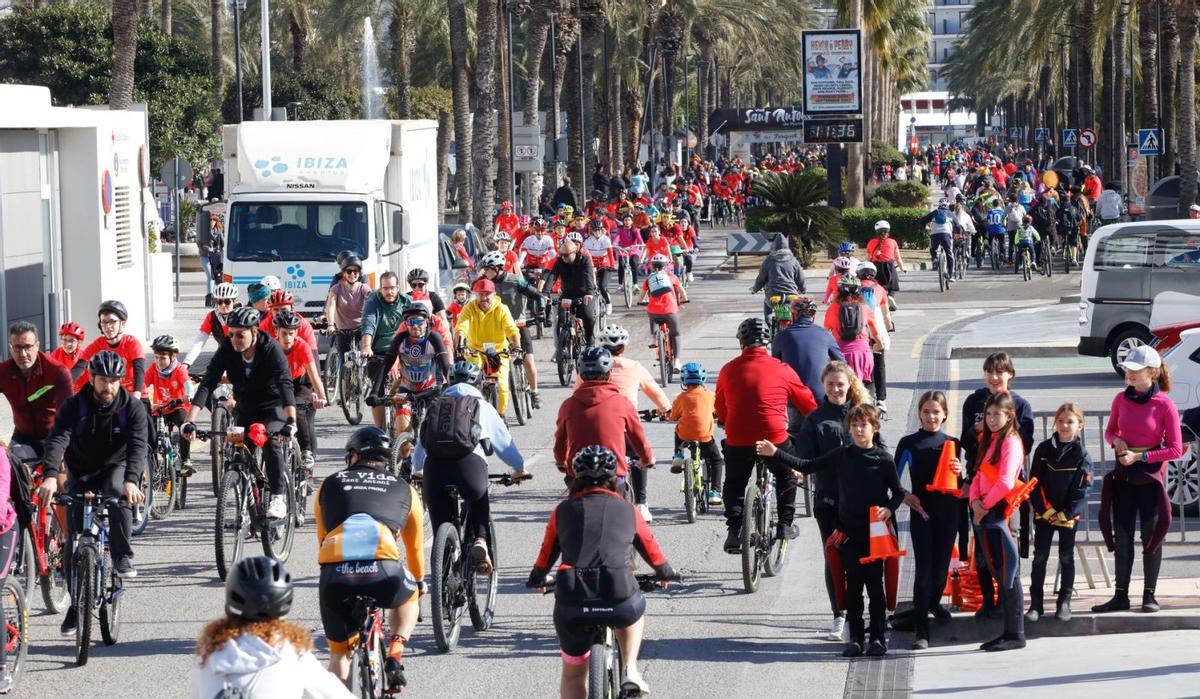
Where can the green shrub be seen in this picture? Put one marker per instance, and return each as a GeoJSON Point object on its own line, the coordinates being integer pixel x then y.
{"type": "Point", "coordinates": [860, 225]}
{"type": "Point", "coordinates": [882, 152]}
{"type": "Point", "coordinates": [760, 220]}
{"type": "Point", "coordinates": [878, 203]}
{"type": "Point", "coordinates": [908, 193]}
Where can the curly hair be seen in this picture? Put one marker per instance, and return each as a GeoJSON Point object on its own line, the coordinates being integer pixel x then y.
{"type": "Point", "coordinates": [274, 632]}
{"type": "Point", "coordinates": [857, 394]}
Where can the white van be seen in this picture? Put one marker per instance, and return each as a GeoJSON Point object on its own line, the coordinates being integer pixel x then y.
{"type": "Point", "coordinates": [1127, 268]}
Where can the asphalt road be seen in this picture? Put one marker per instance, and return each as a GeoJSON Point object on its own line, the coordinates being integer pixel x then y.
{"type": "Point", "coordinates": [705, 636]}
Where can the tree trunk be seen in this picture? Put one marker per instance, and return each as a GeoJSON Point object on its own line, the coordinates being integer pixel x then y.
{"type": "Point", "coordinates": [1107, 109]}
{"type": "Point", "coordinates": [462, 108]}
{"type": "Point", "coordinates": [1187, 105]}
{"type": "Point", "coordinates": [443, 163]}
{"type": "Point", "coordinates": [1120, 119]}
{"type": "Point", "coordinates": [124, 23]}
{"type": "Point", "coordinates": [1170, 71]}
{"type": "Point", "coordinates": [575, 127]}
{"type": "Point", "coordinates": [299, 42]}
{"type": "Point", "coordinates": [566, 34]}
{"type": "Point", "coordinates": [616, 122]}
{"type": "Point", "coordinates": [538, 33]}
{"type": "Point", "coordinates": [483, 141]}
{"type": "Point", "coordinates": [1148, 51]}
{"type": "Point", "coordinates": [855, 160]}
{"type": "Point", "coordinates": [633, 112]}
{"type": "Point", "coordinates": [216, 51]}
{"type": "Point", "coordinates": [504, 171]}
{"type": "Point", "coordinates": [168, 24]}
{"type": "Point", "coordinates": [403, 39]}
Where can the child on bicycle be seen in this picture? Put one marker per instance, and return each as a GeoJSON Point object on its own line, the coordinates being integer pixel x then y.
{"type": "Point", "coordinates": [600, 247]}
{"type": "Point", "coordinates": [70, 341]}
{"type": "Point", "coordinates": [306, 378]}
{"type": "Point", "coordinates": [693, 412]}
{"type": "Point", "coordinates": [1028, 238]}
{"type": "Point", "coordinates": [665, 292]}
{"type": "Point", "coordinates": [627, 241]}
{"type": "Point", "coordinates": [168, 381]}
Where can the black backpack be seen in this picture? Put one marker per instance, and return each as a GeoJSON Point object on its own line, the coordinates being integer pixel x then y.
{"type": "Point", "coordinates": [451, 429]}
{"type": "Point", "coordinates": [850, 321]}
{"type": "Point", "coordinates": [21, 490]}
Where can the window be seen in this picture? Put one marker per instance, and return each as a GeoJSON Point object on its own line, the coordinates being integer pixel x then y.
{"type": "Point", "coordinates": [380, 225]}
{"type": "Point", "coordinates": [1125, 251]}
{"type": "Point", "coordinates": [1179, 250]}
{"type": "Point", "coordinates": [274, 231]}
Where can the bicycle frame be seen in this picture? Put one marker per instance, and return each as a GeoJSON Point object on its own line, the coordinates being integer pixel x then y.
{"type": "Point", "coordinates": [94, 534]}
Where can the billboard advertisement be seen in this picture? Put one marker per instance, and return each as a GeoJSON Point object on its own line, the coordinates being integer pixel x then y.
{"type": "Point", "coordinates": [832, 71]}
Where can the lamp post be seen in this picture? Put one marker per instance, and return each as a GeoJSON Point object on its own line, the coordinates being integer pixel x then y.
{"type": "Point", "coordinates": [511, 7]}
{"type": "Point", "coordinates": [238, 6]}
{"type": "Point", "coordinates": [701, 67]}
{"type": "Point", "coordinates": [266, 59]}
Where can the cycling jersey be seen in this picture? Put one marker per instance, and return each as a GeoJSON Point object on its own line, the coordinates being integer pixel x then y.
{"type": "Point", "coordinates": [418, 359]}
{"type": "Point", "coordinates": [129, 349]}
{"type": "Point", "coordinates": [995, 221]}
{"type": "Point", "coordinates": [508, 223]}
{"type": "Point", "coordinates": [213, 325]}
{"type": "Point", "coordinates": [298, 358]}
{"type": "Point", "coordinates": [305, 333]}
{"type": "Point", "coordinates": [600, 248]}
{"type": "Point", "coordinates": [67, 361]}
{"type": "Point", "coordinates": [538, 251]}
{"type": "Point", "coordinates": [163, 387]}
{"type": "Point", "coordinates": [360, 512]}
{"type": "Point", "coordinates": [662, 246]}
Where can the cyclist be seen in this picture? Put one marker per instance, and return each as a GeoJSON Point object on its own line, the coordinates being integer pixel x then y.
{"type": "Point", "coordinates": [70, 341]}
{"type": "Point", "coordinates": [262, 390]}
{"type": "Point", "coordinates": [344, 305]}
{"type": "Point", "coordinates": [599, 247]}
{"type": "Point", "coordinates": [461, 295]}
{"type": "Point", "coordinates": [224, 297]}
{"type": "Point", "coordinates": [284, 301]}
{"type": "Point", "coordinates": [504, 247]}
{"type": "Point", "coordinates": [306, 383]}
{"type": "Point", "coordinates": [113, 338]}
{"type": "Point", "coordinates": [363, 514]}
{"type": "Point", "coordinates": [383, 318]}
{"type": "Point", "coordinates": [252, 648]}
{"type": "Point", "coordinates": [424, 361]}
{"type": "Point", "coordinates": [34, 385]}
{"type": "Point", "coordinates": [597, 413]}
{"type": "Point", "coordinates": [780, 274]}
{"type": "Point", "coordinates": [839, 268]}
{"type": "Point", "coordinates": [595, 533]}
{"type": "Point", "coordinates": [693, 412]}
{"type": "Point", "coordinates": [486, 326]}
{"type": "Point", "coordinates": [537, 250]}
{"type": "Point", "coordinates": [516, 293]}
{"type": "Point", "coordinates": [656, 244]}
{"type": "Point", "coordinates": [885, 253]}
{"type": "Point", "coordinates": [665, 294]}
{"type": "Point", "coordinates": [876, 298]}
{"type": "Point", "coordinates": [806, 347]}
{"type": "Point", "coordinates": [1028, 238]}
{"type": "Point", "coordinates": [100, 436]}
{"type": "Point", "coordinates": [258, 297]}
{"type": "Point", "coordinates": [942, 227]}
{"type": "Point", "coordinates": [1014, 213]}
{"type": "Point", "coordinates": [168, 381]}
{"type": "Point", "coordinates": [464, 466]}
{"type": "Point", "coordinates": [626, 241]}
{"type": "Point", "coordinates": [685, 240]}
{"type": "Point", "coordinates": [578, 279]}
{"type": "Point", "coordinates": [845, 262]}
{"type": "Point", "coordinates": [418, 285]}
{"type": "Point", "coordinates": [753, 391]}
{"type": "Point", "coordinates": [506, 221]}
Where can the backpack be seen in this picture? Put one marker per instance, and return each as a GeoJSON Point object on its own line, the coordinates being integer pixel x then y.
{"type": "Point", "coordinates": [850, 321]}
{"type": "Point", "coordinates": [941, 217]}
{"type": "Point", "coordinates": [451, 429]}
{"type": "Point", "coordinates": [659, 284]}
{"type": "Point", "coordinates": [21, 491]}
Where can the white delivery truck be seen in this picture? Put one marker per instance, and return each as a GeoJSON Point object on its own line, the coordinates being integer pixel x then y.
{"type": "Point", "coordinates": [300, 192]}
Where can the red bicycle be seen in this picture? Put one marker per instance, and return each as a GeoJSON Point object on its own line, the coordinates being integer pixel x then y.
{"type": "Point", "coordinates": [49, 537]}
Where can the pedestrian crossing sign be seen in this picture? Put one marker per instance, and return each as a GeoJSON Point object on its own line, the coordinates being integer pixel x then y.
{"type": "Point", "coordinates": [1150, 141]}
{"type": "Point", "coordinates": [1041, 134]}
{"type": "Point", "coordinates": [1070, 138]}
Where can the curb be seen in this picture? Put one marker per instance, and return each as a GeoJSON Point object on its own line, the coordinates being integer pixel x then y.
{"type": "Point", "coordinates": [968, 630]}
{"type": "Point", "coordinates": [1041, 351]}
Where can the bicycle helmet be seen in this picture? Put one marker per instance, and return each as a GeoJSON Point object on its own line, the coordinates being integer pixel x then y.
{"type": "Point", "coordinates": [416, 309]}
{"type": "Point", "coordinates": [597, 224]}
{"type": "Point", "coordinates": [285, 319]}
{"type": "Point", "coordinates": [566, 210]}
{"type": "Point", "coordinates": [107, 363]}
{"type": "Point", "coordinates": [575, 237]}
{"type": "Point", "coordinates": [849, 284]}
{"type": "Point", "coordinates": [867, 270]}
{"type": "Point", "coordinates": [370, 443]}
{"type": "Point", "coordinates": [595, 364]}
{"type": "Point", "coordinates": [461, 286]}
{"type": "Point", "coordinates": [165, 343]}
{"type": "Point", "coordinates": [114, 307]}
{"type": "Point", "coordinates": [613, 336]}
{"type": "Point", "coordinates": [271, 282]}
{"type": "Point", "coordinates": [804, 306]}
{"type": "Point", "coordinates": [244, 317]}
{"type": "Point", "coordinates": [494, 258]}
{"type": "Point", "coordinates": [753, 332]}
{"type": "Point", "coordinates": [418, 275]}
{"type": "Point", "coordinates": [659, 260]}
{"type": "Point", "coordinates": [842, 264]}
{"type": "Point", "coordinates": [539, 222]}
{"type": "Point", "coordinates": [464, 372]}
{"type": "Point", "coordinates": [506, 204]}
{"type": "Point", "coordinates": [258, 588]}
{"type": "Point", "coordinates": [595, 463]}
{"type": "Point", "coordinates": [71, 329]}
{"type": "Point", "coordinates": [342, 255]}
{"type": "Point", "coordinates": [351, 260]}
{"type": "Point", "coordinates": [692, 374]}
{"type": "Point", "coordinates": [524, 219]}
{"type": "Point", "coordinates": [503, 237]}
{"type": "Point", "coordinates": [845, 248]}
{"type": "Point", "coordinates": [280, 299]}
{"type": "Point", "coordinates": [225, 290]}
{"type": "Point", "coordinates": [882, 225]}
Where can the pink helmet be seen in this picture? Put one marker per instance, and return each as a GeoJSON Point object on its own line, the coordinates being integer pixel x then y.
{"type": "Point", "coordinates": [524, 219]}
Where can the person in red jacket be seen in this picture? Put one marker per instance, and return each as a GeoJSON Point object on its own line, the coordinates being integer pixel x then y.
{"type": "Point", "coordinates": [33, 384]}
{"type": "Point", "coordinates": [167, 382]}
{"type": "Point", "coordinates": [113, 316]}
{"type": "Point", "coordinates": [70, 341]}
{"type": "Point", "coordinates": [597, 413]}
{"type": "Point", "coordinates": [753, 392]}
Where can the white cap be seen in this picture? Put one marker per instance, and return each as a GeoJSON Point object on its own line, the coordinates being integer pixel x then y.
{"type": "Point", "coordinates": [1141, 357]}
{"type": "Point", "coordinates": [1194, 207]}
{"type": "Point", "coordinates": [882, 225]}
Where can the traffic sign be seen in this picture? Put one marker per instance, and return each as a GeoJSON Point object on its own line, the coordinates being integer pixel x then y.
{"type": "Point", "coordinates": [1150, 141]}
{"type": "Point", "coordinates": [1070, 138]}
{"type": "Point", "coordinates": [1041, 135]}
{"type": "Point", "coordinates": [749, 243]}
{"type": "Point", "coordinates": [1014, 133]}
{"type": "Point", "coordinates": [1087, 138]}
{"type": "Point", "coordinates": [997, 130]}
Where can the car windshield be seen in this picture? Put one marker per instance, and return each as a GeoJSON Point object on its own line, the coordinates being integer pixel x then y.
{"type": "Point", "coordinates": [274, 231]}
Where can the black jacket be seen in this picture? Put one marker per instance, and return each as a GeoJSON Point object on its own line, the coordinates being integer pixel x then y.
{"type": "Point", "coordinates": [973, 413]}
{"type": "Point", "coordinates": [92, 440]}
{"type": "Point", "coordinates": [563, 195]}
{"type": "Point", "coordinates": [578, 277]}
{"type": "Point", "coordinates": [1064, 474]}
{"type": "Point", "coordinates": [511, 288]}
{"type": "Point", "coordinates": [822, 431]}
{"type": "Point", "coordinates": [865, 478]}
{"type": "Point", "coordinates": [920, 452]}
{"type": "Point", "coordinates": [267, 386]}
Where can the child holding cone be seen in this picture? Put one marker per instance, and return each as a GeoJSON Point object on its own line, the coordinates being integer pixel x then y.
{"type": "Point", "coordinates": [1000, 457]}
{"type": "Point", "coordinates": [932, 456]}
{"type": "Point", "coordinates": [866, 483]}
{"type": "Point", "coordinates": [1064, 471]}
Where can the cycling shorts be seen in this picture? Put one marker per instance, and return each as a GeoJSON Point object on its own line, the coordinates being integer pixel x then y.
{"type": "Point", "coordinates": [576, 625]}
{"type": "Point", "coordinates": [387, 582]}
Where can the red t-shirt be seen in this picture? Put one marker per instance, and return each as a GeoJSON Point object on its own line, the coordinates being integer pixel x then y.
{"type": "Point", "coordinates": [507, 223]}
{"type": "Point", "coordinates": [882, 250]}
{"type": "Point", "coordinates": [128, 347]}
{"type": "Point", "coordinates": [657, 247]}
{"type": "Point", "coordinates": [298, 359]}
{"type": "Point", "coordinates": [67, 361]}
{"type": "Point", "coordinates": [171, 387]}
{"type": "Point", "coordinates": [664, 304]}
{"type": "Point", "coordinates": [305, 332]}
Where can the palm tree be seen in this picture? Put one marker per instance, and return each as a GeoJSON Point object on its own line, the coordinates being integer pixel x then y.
{"type": "Point", "coordinates": [487, 26]}
{"type": "Point", "coordinates": [461, 90]}
{"type": "Point", "coordinates": [403, 32]}
{"type": "Point", "coordinates": [1188, 21]}
{"type": "Point", "coordinates": [124, 22]}
{"type": "Point", "coordinates": [797, 202]}
{"type": "Point", "coordinates": [217, 12]}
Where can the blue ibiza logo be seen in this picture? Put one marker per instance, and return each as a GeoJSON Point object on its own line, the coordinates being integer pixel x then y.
{"type": "Point", "coordinates": [296, 278]}
{"type": "Point", "coordinates": [274, 166]}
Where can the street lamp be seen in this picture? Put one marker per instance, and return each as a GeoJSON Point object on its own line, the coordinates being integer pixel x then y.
{"type": "Point", "coordinates": [518, 8]}
{"type": "Point", "coordinates": [238, 7]}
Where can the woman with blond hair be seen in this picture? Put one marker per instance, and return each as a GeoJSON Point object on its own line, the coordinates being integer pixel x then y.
{"type": "Point", "coordinates": [252, 652]}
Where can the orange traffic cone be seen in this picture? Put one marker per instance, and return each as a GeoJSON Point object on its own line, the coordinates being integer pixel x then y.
{"type": "Point", "coordinates": [946, 480]}
{"type": "Point", "coordinates": [883, 540]}
{"type": "Point", "coordinates": [1019, 494]}
{"type": "Point", "coordinates": [952, 572]}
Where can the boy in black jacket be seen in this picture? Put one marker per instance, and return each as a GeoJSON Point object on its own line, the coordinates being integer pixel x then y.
{"type": "Point", "coordinates": [866, 478]}
{"type": "Point", "coordinates": [1063, 471]}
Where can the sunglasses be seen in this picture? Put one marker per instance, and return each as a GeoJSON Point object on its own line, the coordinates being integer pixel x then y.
{"type": "Point", "coordinates": [415, 321]}
{"type": "Point", "coordinates": [224, 302]}
{"type": "Point", "coordinates": [417, 285]}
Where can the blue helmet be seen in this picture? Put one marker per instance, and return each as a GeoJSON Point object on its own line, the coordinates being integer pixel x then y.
{"type": "Point", "coordinates": [692, 374]}
{"type": "Point", "coordinates": [845, 248]}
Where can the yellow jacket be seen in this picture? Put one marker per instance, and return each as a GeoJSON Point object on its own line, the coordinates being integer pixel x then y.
{"type": "Point", "coordinates": [495, 325]}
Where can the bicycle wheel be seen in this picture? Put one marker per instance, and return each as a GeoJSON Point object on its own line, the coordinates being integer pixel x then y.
{"type": "Point", "coordinates": [333, 372]}
{"type": "Point", "coordinates": [1047, 260]}
{"type": "Point", "coordinates": [491, 393]}
{"type": "Point", "coordinates": [517, 392]}
{"type": "Point", "coordinates": [600, 685]}
{"type": "Point", "coordinates": [351, 391]}
{"type": "Point", "coordinates": [16, 623]}
{"type": "Point", "coordinates": [280, 533]}
{"type": "Point", "coordinates": [1026, 271]}
{"type": "Point", "coordinates": [141, 513]}
{"type": "Point", "coordinates": [162, 482]}
{"type": "Point", "coordinates": [698, 475]}
{"type": "Point", "coordinates": [233, 521]}
{"type": "Point", "coordinates": [445, 603]}
{"type": "Point", "coordinates": [367, 668]}
{"type": "Point", "coordinates": [774, 553]}
{"type": "Point", "coordinates": [216, 445]}
{"type": "Point", "coordinates": [110, 606]}
{"type": "Point", "coordinates": [563, 358]}
{"type": "Point", "coordinates": [482, 601]}
{"type": "Point", "coordinates": [689, 492]}
{"type": "Point", "coordinates": [664, 359]}
{"type": "Point", "coordinates": [55, 593]}
{"type": "Point", "coordinates": [301, 485]}
{"type": "Point", "coordinates": [24, 563]}
{"type": "Point", "coordinates": [751, 506]}
{"type": "Point", "coordinates": [627, 283]}
{"type": "Point", "coordinates": [994, 254]}
{"type": "Point", "coordinates": [85, 600]}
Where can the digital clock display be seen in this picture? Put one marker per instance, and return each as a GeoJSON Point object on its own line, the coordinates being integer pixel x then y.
{"type": "Point", "coordinates": [833, 130]}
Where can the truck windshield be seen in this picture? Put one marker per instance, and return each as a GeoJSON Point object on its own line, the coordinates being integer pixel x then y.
{"type": "Point", "coordinates": [272, 231]}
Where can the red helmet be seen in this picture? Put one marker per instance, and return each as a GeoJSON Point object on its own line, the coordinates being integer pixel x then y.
{"type": "Point", "coordinates": [506, 204]}
{"type": "Point", "coordinates": [73, 329]}
{"type": "Point", "coordinates": [281, 299]}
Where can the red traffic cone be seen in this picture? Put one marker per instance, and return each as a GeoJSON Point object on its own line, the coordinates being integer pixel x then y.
{"type": "Point", "coordinates": [1019, 494]}
{"type": "Point", "coordinates": [883, 540]}
{"type": "Point", "coordinates": [946, 480]}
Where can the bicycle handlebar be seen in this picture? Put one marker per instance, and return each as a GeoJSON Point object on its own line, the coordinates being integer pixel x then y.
{"type": "Point", "coordinates": [647, 582]}
{"type": "Point", "coordinates": [67, 499]}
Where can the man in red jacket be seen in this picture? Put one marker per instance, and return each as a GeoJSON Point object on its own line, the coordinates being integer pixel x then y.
{"type": "Point", "coordinates": [753, 392]}
{"type": "Point", "coordinates": [597, 413]}
{"type": "Point", "coordinates": [34, 385]}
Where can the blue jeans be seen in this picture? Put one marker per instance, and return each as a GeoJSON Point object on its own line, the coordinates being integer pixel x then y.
{"type": "Point", "coordinates": [1004, 563]}
{"type": "Point", "coordinates": [943, 241]}
{"type": "Point", "coordinates": [206, 265]}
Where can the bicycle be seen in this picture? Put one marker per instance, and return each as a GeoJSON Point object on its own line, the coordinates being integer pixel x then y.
{"type": "Point", "coordinates": [1025, 263]}
{"type": "Point", "coordinates": [221, 418]}
{"type": "Point", "coordinates": [165, 480]}
{"type": "Point", "coordinates": [16, 624]}
{"type": "Point", "coordinates": [943, 269]}
{"type": "Point", "coordinates": [418, 402]}
{"type": "Point", "coordinates": [628, 257]}
{"type": "Point", "coordinates": [352, 384]}
{"type": "Point", "coordinates": [960, 257]}
{"type": "Point", "coordinates": [662, 348]}
{"type": "Point", "coordinates": [519, 391]}
{"type": "Point", "coordinates": [96, 588]}
{"type": "Point", "coordinates": [994, 251]}
{"type": "Point", "coordinates": [1047, 259]}
{"type": "Point", "coordinates": [568, 340]}
{"type": "Point", "coordinates": [1070, 252]}
{"type": "Point", "coordinates": [781, 311]}
{"type": "Point", "coordinates": [695, 481]}
{"type": "Point", "coordinates": [537, 309]}
{"type": "Point", "coordinates": [369, 653]}
{"type": "Point", "coordinates": [46, 540]}
{"type": "Point", "coordinates": [243, 499]}
{"type": "Point", "coordinates": [457, 580]}
{"type": "Point", "coordinates": [492, 359]}
{"type": "Point", "coordinates": [763, 550]}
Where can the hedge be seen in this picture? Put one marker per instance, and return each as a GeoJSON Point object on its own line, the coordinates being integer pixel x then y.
{"type": "Point", "coordinates": [860, 225]}
{"type": "Point", "coordinates": [759, 221]}
{"type": "Point", "coordinates": [901, 194]}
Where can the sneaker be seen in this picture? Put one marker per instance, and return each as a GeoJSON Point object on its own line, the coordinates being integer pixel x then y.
{"type": "Point", "coordinates": [536, 400]}
{"type": "Point", "coordinates": [988, 645]}
{"type": "Point", "coordinates": [881, 406]}
{"type": "Point", "coordinates": [392, 666]}
{"type": "Point", "coordinates": [677, 463]}
{"type": "Point", "coordinates": [714, 500]}
{"type": "Point", "coordinates": [644, 511]}
{"type": "Point", "coordinates": [1007, 644]}
{"type": "Point", "coordinates": [307, 460]}
{"type": "Point", "coordinates": [278, 507]}
{"type": "Point", "coordinates": [1149, 603]}
{"type": "Point", "coordinates": [853, 649]}
{"type": "Point", "coordinates": [836, 629]}
{"type": "Point", "coordinates": [608, 309]}
{"type": "Point", "coordinates": [786, 531]}
{"type": "Point", "coordinates": [876, 648]}
{"type": "Point", "coordinates": [941, 614]}
{"type": "Point", "coordinates": [188, 470]}
{"type": "Point", "coordinates": [892, 305]}
{"type": "Point", "coordinates": [125, 567]}
{"type": "Point", "coordinates": [733, 542]}
{"type": "Point", "coordinates": [479, 552]}
{"type": "Point", "coordinates": [1033, 615]}
{"type": "Point", "coordinates": [691, 277]}
{"type": "Point", "coordinates": [920, 644]}
{"type": "Point", "coordinates": [70, 622]}
{"type": "Point", "coordinates": [632, 683]}
{"type": "Point", "coordinates": [6, 681]}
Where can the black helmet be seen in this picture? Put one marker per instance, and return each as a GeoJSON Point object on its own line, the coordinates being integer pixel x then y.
{"type": "Point", "coordinates": [258, 588]}
{"type": "Point", "coordinates": [107, 364]}
{"type": "Point", "coordinates": [753, 332]}
{"type": "Point", "coordinates": [595, 364]}
{"type": "Point", "coordinates": [416, 309]}
{"type": "Point", "coordinates": [371, 443]}
{"type": "Point", "coordinates": [350, 260]}
{"type": "Point", "coordinates": [464, 372]}
{"type": "Point", "coordinates": [114, 307]}
{"type": "Point", "coordinates": [243, 317]}
{"type": "Point", "coordinates": [165, 343]}
{"type": "Point", "coordinates": [342, 256]}
{"type": "Point", "coordinates": [418, 275]}
{"type": "Point", "coordinates": [804, 306]}
{"type": "Point", "coordinates": [285, 319]}
{"type": "Point", "coordinates": [595, 463]}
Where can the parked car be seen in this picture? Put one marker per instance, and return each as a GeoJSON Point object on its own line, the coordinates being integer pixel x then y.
{"type": "Point", "coordinates": [1183, 474]}
{"type": "Point", "coordinates": [1162, 202]}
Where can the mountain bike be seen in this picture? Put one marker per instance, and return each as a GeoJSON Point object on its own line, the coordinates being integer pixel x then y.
{"type": "Point", "coordinates": [627, 258]}
{"type": "Point", "coordinates": [695, 481]}
{"type": "Point", "coordinates": [520, 393]}
{"type": "Point", "coordinates": [781, 311]}
{"type": "Point", "coordinates": [353, 386]}
{"type": "Point", "coordinates": [418, 404]}
{"type": "Point", "coordinates": [664, 358]}
{"type": "Point", "coordinates": [221, 418]}
{"type": "Point", "coordinates": [492, 360]}
{"type": "Point", "coordinates": [169, 488]}
{"type": "Point", "coordinates": [95, 585]}
{"type": "Point", "coordinates": [47, 540]}
{"type": "Point", "coordinates": [1024, 262]}
{"type": "Point", "coordinates": [763, 550]}
{"type": "Point", "coordinates": [16, 626]}
{"type": "Point", "coordinates": [369, 652]}
{"type": "Point", "coordinates": [568, 340]}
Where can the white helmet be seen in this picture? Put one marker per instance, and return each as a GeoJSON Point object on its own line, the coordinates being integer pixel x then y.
{"type": "Point", "coordinates": [495, 258]}
{"type": "Point", "coordinates": [614, 336]}
{"type": "Point", "coordinates": [882, 225]}
{"type": "Point", "coordinates": [271, 282]}
{"type": "Point", "coordinates": [225, 290]}
{"type": "Point", "coordinates": [842, 264]}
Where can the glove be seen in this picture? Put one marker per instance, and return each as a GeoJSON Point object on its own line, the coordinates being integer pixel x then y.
{"type": "Point", "coordinates": [288, 431]}
{"type": "Point", "coordinates": [1048, 515]}
{"type": "Point", "coordinates": [666, 572]}
{"type": "Point", "coordinates": [187, 427]}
